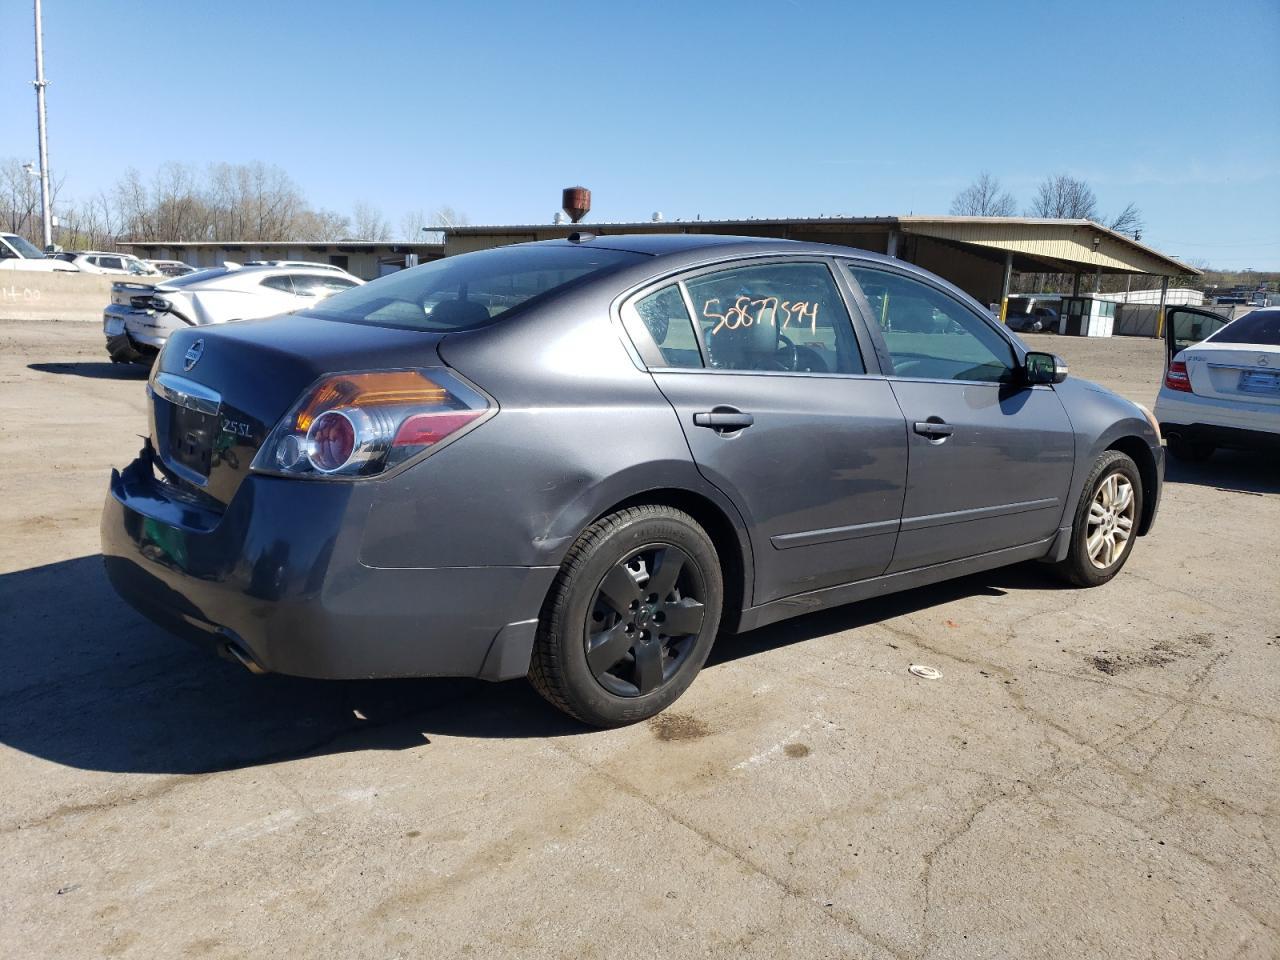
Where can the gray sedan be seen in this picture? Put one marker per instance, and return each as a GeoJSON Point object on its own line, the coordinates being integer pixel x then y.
{"type": "Point", "coordinates": [585, 460]}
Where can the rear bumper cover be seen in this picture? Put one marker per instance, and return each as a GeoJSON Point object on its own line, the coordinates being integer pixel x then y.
{"type": "Point", "coordinates": [1178, 412]}
{"type": "Point", "coordinates": [277, 575]}
{"type": "Point", "coordinates": [1219, 436]}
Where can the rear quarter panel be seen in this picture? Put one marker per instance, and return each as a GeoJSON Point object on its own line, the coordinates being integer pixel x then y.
{"type": "Point", "coordinates": [580, 428]}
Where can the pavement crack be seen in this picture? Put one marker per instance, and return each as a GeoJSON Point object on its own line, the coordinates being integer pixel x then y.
{"type": "Point", "coordinates": [843, 917]}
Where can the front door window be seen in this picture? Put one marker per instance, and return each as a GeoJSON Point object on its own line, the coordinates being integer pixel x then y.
{"type": "Point", "coordinates": [930, 335]}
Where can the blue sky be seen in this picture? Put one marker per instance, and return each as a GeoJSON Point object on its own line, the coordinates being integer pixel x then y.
{"type": "Point", "coordinates": [695, 108]}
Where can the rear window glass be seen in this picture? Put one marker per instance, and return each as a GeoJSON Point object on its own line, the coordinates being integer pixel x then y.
{"type": "Point", "coordinates": [1261, 327]}
{"type": "Point", "coordinates": [470, 290]}
{"type": "Point", "coordinates": [189, 278]}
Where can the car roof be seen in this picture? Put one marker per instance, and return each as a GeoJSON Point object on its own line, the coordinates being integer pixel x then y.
{"type": "Point", "coordinates": [684, 244]}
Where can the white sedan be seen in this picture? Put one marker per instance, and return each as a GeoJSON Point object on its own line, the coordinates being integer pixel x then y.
{"type": "Point", "coordinates": [1222, 383]}
{"type": "Point", "coordinates": [139, 320]}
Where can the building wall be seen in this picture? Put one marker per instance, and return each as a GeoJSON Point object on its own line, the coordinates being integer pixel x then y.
{"type": "Point", "coordinates": [976, 276]}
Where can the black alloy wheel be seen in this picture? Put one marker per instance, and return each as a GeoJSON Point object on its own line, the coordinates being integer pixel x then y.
{"type": "Point", "coordinates": [644, 620]}
{"type": "Point", "coordinates": [630, 618]}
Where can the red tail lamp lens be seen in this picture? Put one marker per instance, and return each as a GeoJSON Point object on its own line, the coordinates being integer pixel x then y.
{"type": "Point", "coordinates": [1177, 378]}
{"type": "Point", "coordinates": [426, 429]}
{"type": "Point", "coordinates": [332, 440]}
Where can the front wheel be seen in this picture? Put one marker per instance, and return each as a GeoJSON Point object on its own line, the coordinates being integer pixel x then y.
{"type": "Point", "coordinates": [630, 618]}
{"type": "Point", "coordinates": [1106, 521]}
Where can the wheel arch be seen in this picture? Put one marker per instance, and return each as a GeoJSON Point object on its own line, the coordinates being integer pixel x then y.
{"type": "Point", "coordinates": [1137, 449]}
{"type": "Point", "coordinates": [727, 536]}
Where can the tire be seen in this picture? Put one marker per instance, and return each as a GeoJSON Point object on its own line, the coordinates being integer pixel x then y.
{"type": "Point", "coordinates": [1189, 452]}
{"type": "Point", "coordinates": [592, 605]}
{"type": "Point", "coordinates": [1079, 567]}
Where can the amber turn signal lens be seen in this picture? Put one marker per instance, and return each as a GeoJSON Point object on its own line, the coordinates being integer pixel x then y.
{"type": "Point", "coordinates": [370, 390]}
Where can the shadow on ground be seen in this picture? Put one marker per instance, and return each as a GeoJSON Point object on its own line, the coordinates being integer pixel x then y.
{"type": "Point", "coordinates": [86, 682]}
{"type": "Point", "coordinates": [95, 370]}
{"type": "Point", "coordinates": [1240, 471]}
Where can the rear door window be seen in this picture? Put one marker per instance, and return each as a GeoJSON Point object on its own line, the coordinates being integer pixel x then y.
{"type": "Point", "coordinates": [778, 317]}
{"type": "Point", "coordinates": [315, 285]}
{"type": "Point", "coordinates": [283, 283]}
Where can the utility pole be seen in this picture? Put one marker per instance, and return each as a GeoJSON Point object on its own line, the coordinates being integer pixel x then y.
{"type": "Point", "coordinates": [46, 215]}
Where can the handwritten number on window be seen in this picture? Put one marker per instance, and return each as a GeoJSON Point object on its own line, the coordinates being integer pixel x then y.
{"type": "Point", "coordinates": [766, 311]}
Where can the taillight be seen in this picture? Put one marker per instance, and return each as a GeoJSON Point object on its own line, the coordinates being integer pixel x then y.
{"type": "Point", "coordinates": [1176, 377]}
{"type": "Point", "coordinates": [364, 423]}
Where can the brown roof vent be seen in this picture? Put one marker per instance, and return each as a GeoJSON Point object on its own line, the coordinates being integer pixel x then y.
{"type": "Point", "coordinates": [576, 202]}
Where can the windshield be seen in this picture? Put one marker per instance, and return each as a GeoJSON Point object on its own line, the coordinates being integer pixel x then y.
{"type": "Point", "coordinates": [471, 290]}
{"type": "Point", "coordinates": [24, 247]}
{"type": "Point", "coordinates": [1260, 327]}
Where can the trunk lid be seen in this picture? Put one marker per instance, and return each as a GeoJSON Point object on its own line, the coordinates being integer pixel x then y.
{"type": "Point", "coordinates": [217, 392]}
{"type": "Point", "coordinates": [125, 292]}
{"type": "Point", "coordinates": [1232, 371]}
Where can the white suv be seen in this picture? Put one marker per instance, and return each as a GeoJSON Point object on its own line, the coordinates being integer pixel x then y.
{"type": "Point", "coordinates": [100, 261]}
{"type": "Point", "coordinates": [18, 253]}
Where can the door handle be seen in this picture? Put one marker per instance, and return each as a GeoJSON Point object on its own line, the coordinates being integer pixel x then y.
{"type": "Point", "coordinates": [724, 420]}
{"type": "Point", "coordinates": [934, 428]}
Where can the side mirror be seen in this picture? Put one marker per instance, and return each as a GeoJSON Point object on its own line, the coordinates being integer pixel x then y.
{"type": "Point", "coordinates": [1043, 368]}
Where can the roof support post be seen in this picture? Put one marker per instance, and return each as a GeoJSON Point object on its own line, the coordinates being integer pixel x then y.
{"type": "Point", "coordinates": [1004, 286]}
{"type": "Point", "coordinates": [891, 246]}
{"type": "Point", "coordinates": [1075, 284]}
{"type": "Point", "coordinates": [1164, 293]}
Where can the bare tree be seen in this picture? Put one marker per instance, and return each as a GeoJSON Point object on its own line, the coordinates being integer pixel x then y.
{"type": "Point", "coordinates": [321, 225]}
{"type": "Point", "coordinates": [412, 223]}
{"type": "Point", "coordinates": [983, 198]}
{"type": "Point", "coordinates": [447, 216]}
{"type": "Point", "coordinates": [1063, 197]}
{"type": "Point", "coordinates": [19, 197]}
{"type": "Point", "coordinates": [221, 202]}
{"type": "Point", "coordinates": [1128, 221]}
{"type": "Point", "coordinates": [367, 223]}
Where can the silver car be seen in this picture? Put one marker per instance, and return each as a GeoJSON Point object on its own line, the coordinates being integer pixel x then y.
{"type": "Point", "coordinates": [140, 317]}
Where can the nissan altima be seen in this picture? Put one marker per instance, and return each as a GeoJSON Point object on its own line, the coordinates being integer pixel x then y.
{"type": "Point", "coordinates": [582, 461]}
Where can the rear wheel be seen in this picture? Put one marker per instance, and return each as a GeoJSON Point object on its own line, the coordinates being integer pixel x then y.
{"type": "Point", "coordinates": [630, 617]}
{"type": "Point", "coordinates": [1189, 452]}
{"type": "Point", "coordinates": [1106, 521]}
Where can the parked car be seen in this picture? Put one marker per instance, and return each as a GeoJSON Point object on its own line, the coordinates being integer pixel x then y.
{"type": "Point", "coordinates": [581, 460]}
{"type": "Point", "coordinates": [296, 263]}
{"type": "Point", "coordinates": [100, 261]}
{"type": "Point", "coordinates": [171, 268]}
{"type": "Point", "coordinates": [1040, 319]}
{"type": "Point", "coordinates": [141, 317]}
{"type": "Point", "coordinates": [1221, 383]}
{"type": "Point", "coordinates": [18, 253]}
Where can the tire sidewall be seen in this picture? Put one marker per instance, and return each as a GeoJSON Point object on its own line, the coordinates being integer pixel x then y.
{"type": "Point", "coordinates": [1111, 463]}
{"type": "Point", "coordinates": [590, 698]}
